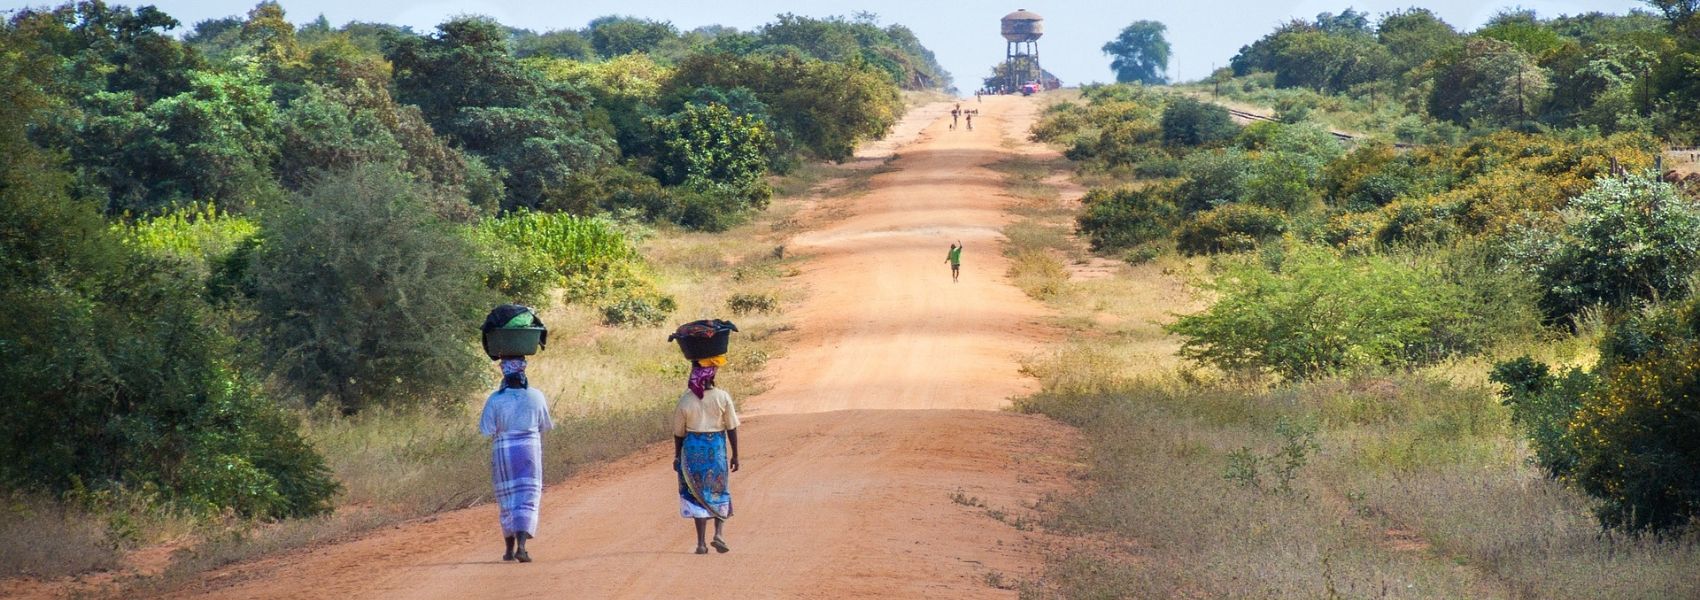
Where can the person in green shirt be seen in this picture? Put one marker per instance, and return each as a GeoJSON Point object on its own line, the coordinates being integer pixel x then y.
{"type": "Point", "coordinates": [955, 260]}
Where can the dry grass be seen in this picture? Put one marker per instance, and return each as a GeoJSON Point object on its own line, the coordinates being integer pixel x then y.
{"type": "Point", "coordinates": [47, 539]}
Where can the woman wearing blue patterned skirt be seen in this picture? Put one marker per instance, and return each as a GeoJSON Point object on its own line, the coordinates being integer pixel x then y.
{"type": "Point", "coordinates": [705, 426]}
{"type": "Point", "coordinates": [515, 418]}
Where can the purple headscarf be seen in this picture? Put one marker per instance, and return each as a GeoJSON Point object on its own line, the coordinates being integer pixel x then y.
{"type": "Point", "coordinates": [513, 373]}
{"type": "Point", "coordinates": [701, 378]}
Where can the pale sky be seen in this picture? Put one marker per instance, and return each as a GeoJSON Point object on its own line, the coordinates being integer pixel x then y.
{"type": "Point", "coordinates": [1202, 33]}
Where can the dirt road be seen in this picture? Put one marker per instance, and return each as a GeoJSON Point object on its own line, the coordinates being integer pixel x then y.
{"type": "Point", "coordinates": [884, 406]}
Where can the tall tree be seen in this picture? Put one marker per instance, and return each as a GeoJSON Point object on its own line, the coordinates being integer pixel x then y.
{"type": "Point", "coordinates": [1140, 54]}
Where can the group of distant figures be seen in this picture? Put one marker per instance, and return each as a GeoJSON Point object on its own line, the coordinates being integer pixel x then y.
{"type": "Point", "coordinates": [966, 115]}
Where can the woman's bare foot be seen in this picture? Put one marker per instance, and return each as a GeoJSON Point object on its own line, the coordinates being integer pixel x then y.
{"type": "Point", "coordinates": [720, 545]}
{"type": "Point", "coordinates": [509, 557]}
{"type": "Point", "coordinates": [522, 556]}
{"type": "Point", "coordinates": [702, 549]}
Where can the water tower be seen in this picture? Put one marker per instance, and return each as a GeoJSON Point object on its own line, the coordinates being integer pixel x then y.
{"type": "Point", "coordinates": [1021, 31]}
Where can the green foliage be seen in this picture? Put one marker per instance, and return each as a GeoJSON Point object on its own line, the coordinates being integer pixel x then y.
{"type": "Point", "coordinates": [1247, 468]}
{"type": "Point", "coordinates": [1635, 433]}
{"type": "Point", "coordinates": [1125, 217]}
{"type": "Point", "coordinates": [1544, 405]}
{"type": "Point", "coordinates": [530, 254]}
{"type": "Point", "coordinates": [613, 36]}
{"type": "Point", "coordinates": [638, 311]}
{"type": "Point", "coordinates": [117, 372]}
{"type": "Point", "coordinates": [1489, 82]}
{"type": "Point", "coordinates": [531, 130]}
{"type": "Point", "coordinates": [828, 107]}
{"type": "Point", "coordinates": [1623, 432]}
{"type": "Point", "coordinates": [1188, 122]}
{"type": "Point", "coordinates": [707, 145]}
{"type": "Point", "coordinates": [1140, 53]}
{"type": "Point", "coordinates": [1212, 179]}
{"type": "Point", "coordinates": [1230, 228]}
{"type": "Point", "coordinates": [1625, 240]}
{"type": "Point", "coordinates": [1317, 313]}
{"type": "Point", "coordinates": [893, 50]}
{"type": "Point", "coordinates": [365, 296]}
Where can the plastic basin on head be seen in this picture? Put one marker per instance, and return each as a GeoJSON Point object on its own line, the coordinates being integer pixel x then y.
{"type": "Point", "coordinates": [514, 341]}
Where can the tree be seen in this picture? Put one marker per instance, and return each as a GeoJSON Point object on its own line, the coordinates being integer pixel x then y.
{"type": "Point", "coordinates": [1140, 54]}
{"type": "Point", "coordinates": [707, 146]}
{"type": "Point", "coordinates": [1488, 81]}
{"type": "Point", "coordinates": [1413, 36]}
{"type": "Point", "coordinates": [364, 296]}
{"type": "Point", "coordinates": [1683, 15]}
{"type": "Point", "coordinates": [530, 129]}
{"type": "Point", "coordinates": [828, 107]}
{"type": "Point", "coordinates": [613, 36]}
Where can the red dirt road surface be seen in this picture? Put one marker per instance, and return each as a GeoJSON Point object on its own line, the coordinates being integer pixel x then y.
{"type": "Point", "coordinates": [885, 405]}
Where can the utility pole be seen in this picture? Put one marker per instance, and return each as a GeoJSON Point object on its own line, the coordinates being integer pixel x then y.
{"type": "Point", "coordinates": [1520, 111]}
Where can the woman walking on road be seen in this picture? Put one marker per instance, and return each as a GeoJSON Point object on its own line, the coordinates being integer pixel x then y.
{"type": "Point", "coordinates": [955, 260]}
{"type": "Point", "coordinates": [515, 418]}
{"type": "Point", "coordinates": [705, 424]}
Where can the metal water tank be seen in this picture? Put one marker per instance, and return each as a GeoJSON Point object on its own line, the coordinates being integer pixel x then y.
{"type": "Point", "coordinates": [1023, 26]}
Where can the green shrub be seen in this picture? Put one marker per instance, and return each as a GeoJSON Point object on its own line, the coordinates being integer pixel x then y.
{"type": "Point", "coordinates": [708, 143]}
{"type": "Point", "coordinates": [1212, 179]}
{"type": "Point", "coordinates": [1635, 433]}
{"type": "Point", "coordinates": [1543, 405]}
{"type": "Point", "coordinates": [1124, 217]}
{"type": "Point", "coordinates": [1624, 240]}
{"type": "Point", "coordinates": [1230, 228]}
{"type": "Point", "coordinates": [1316, 313]}
{"type": "Point", "coordinates": [1624, 432]}
{"type": "Point", "coordinates": [364, 296]}
{"type": "Point", "coordinates": [1189, 122]}
{"type": "Point", "coordinates": [638, 311]}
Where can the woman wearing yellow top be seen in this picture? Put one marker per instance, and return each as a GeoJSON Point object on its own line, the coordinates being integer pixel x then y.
{"type": "Point", "coordinates": [705, 423]}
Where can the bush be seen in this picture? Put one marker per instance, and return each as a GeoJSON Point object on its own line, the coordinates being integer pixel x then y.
{"type": "Point", "coordinates": [1189, 122]}
{"type": "Point", "coordinates": [1230, 228]}
{"type": "Point", "coordinates": [118, 377]}
{"type": "Point", "coordinates": [746, 303]}
{"type": "Point", "coordinates": [1624, 433]}
{"type": "Point", "coordinates": [1543, 405]}
{"type": "Point", "coordinates": [1317, 313]}
{"type": "Point", "coordinates": [364, 296]}
{"type": "Point", "coordinates": [1635, 434]}
{"type": "Point", "coordinates": [638, 311]}
{"type": "Point", "coordinates": [1625, 240]}
{"type": "Point", "coordinates": [1212, 179]}
{"type": "Point", "coordinates": [1124, 217]}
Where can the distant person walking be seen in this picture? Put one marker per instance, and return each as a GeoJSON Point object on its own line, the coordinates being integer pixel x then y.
{"type": "Point", "coordinates": [955, 260]}
{"type": "Point", "coordinates": [705, 424]}
{"type": "Point", "coordinates": [969, 119]}
{"type": "Point", "coordinates": [955, 113]}
{"type": "Point", "coordinates": [515, 418]}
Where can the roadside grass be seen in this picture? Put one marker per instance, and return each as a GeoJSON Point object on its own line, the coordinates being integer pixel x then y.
{"type": "Point", "coordinates": [1416, 488]}
{"type": "Point", "coordinates": [51, 539]}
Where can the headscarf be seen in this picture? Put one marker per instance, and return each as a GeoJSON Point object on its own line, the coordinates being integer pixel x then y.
{"type": "Point", "coordinates": [701, 378]}
{"type": "Point", "coordinates": [513, 373]}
